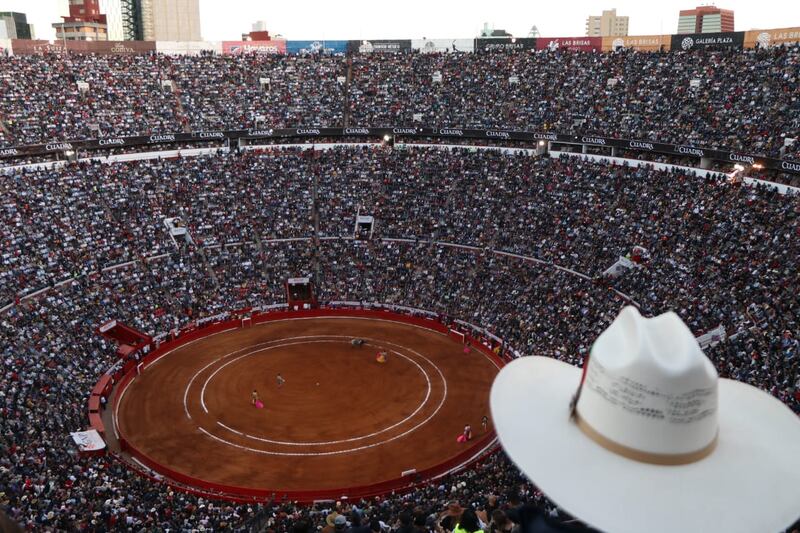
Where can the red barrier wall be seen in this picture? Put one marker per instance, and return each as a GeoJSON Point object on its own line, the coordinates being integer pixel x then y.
{"type": "Point", "coordinates": [470, 455]}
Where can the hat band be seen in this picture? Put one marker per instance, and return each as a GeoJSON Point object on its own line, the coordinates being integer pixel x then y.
{"type": "Point", "coordinates": [670, 459]}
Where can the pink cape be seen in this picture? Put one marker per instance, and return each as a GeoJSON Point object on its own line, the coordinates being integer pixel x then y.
{"type": "Point", "coordinates": [259, 404]}
{"type": "Point", "coordinates": [461, 438]}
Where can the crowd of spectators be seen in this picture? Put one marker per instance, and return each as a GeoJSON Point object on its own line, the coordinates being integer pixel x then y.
{"type": "Point", "coordinates": [716, 253]}
{"type": "Point", "coordinates": [42, 100]}
{"type": "Point", "coordinates": [252, 91]}
{"type": "Point", "coordinates": [742, 100]}
{"type": "Point", "coordinates": [737, 105]}
{"type": "Point", "coordinates": [58, 223]}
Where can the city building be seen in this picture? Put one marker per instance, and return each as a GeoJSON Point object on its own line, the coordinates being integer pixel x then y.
{"type": "Point", "coordinates": [146, 19]}
{"type": "Point", "coordinates": [15, 26]}
{"type": "Point", "coordinates": [607, 25]}
{"type": "Point", "coordinates": [153, 20]}
{"type": "Point", "coordinates": [258, 33]}
{"type": "Point", "coordinates": [705, 19]}
{"type": "Point", "coordinates": [113, 12]}
{"type": "Point", "coordinates": [171, 20]}
{"type": "Point", "coordinates": [125, 18]}
{"type": "Point", "coordinates": [84, 23]}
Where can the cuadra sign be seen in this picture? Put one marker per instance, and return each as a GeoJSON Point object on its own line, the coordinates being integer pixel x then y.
{"type": "Point", "coordinates": [593, 140]}
{"type": "Point", "coordinates": [691, 151]}
{"type": "Point", "coordinates": [260, 133]}
{"type": "Point", "coordinates": [451, 132]}
{"type": "Point", "coordinates": [741, 158]}
{"type": "Point", "coordinates": [111, 142]}
{"type": "Point", "coordinates": [161, 138]}
{"type": "Point", "coordinates": [642, 145]}
{"type": "Point", "coordinates": [58, 146]}
{"type": "Point", "coordinates": [210, 135]}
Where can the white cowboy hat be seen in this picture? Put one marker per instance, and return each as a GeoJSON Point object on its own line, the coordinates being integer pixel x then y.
{"type": "Point", "coordinates": [657, 442]}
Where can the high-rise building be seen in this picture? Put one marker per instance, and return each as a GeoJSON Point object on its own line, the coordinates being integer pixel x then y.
{"type": "Point", "coordinates": [153, 20]}
{"type": "Point", "coordinates": [84, 23]}
{"type": "Point", "coordinates": [15, 26]}
{"type": "Point", "coordinates": [171, 20]}
{"type": "Point", "coordinates": [147, 20]}
{"type": "Point", "coordinates": [113, 12]}
{"type": "Point", "coordinates": [607, 25]}
{"type": "Point", "coordinates": [705, 19]}
{"type": "Point", "coordinates": [133, 14]}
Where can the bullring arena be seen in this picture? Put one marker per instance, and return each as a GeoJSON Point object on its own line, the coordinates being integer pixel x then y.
{"type": "Point", "coordinates": [267, 285]}
{"type": "Point", "coordinates": [340, 423]}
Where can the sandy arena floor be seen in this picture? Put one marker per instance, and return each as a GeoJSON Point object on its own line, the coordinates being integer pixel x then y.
{"type": "Point", "coordinates": [340, 420]}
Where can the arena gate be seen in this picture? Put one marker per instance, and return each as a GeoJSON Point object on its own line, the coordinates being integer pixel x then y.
{"type": "Point", "coordinates": [300, 294]}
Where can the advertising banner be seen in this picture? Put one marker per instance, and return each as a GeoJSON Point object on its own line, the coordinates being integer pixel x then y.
{"type": "Point", "coordinates": [37, 46]}
{"type": "Point", "coordinates": [188, 48]}
{"type": "Point", "coordinates": [587, 44]}
{"type": "Point", "coordinates": [316, 47]}
{"type": "Point", "coordinates": [693, 41]}
{"type": "Point", "coordinates": [767, 38]}
{"type": "Point", "coordinates": [112, 47]}
{"type": "Point", "coordinates": [645, 43]}
{"type": "Point", "coordinates": [427, 46]}
{"type": "Point", "coordinates": [234, 48]}
{"type": "Point", "coordinates": [505, 44]}
{"type": "Point", "coordinates": [379, 45]}
{"type": "Point", "coordinates": [57, 146]}
{"type": "Point", "coordinates": [28, 47]}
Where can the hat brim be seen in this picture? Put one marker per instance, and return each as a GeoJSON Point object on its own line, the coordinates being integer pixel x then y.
{"type": "Point", "coordinates": [748, 483]}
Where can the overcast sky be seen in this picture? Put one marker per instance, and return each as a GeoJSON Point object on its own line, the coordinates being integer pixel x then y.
{"type": "Point", "coordinates": [414, 19]}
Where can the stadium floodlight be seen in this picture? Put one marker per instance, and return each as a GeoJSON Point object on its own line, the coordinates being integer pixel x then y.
{"type": "Point", "coordinates": [387, 138]}
{"type": "Point", "coordinates": [758, 166]}
{"type": "Point", "coordinates": [542, 142]}
{"type": "Point", "coordinates": [737, 166]}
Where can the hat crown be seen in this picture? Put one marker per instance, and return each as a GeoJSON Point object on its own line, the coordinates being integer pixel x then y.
{"type": "Point", "coordinates": [649, 387]}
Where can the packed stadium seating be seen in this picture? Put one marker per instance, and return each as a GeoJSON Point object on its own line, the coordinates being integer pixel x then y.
{"type": "Point", "coordinates": [92, 236]}
{"type": "Point", "coordinates": [746, 99]}
{"type": "Point", "coordinates": [718, 254]}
